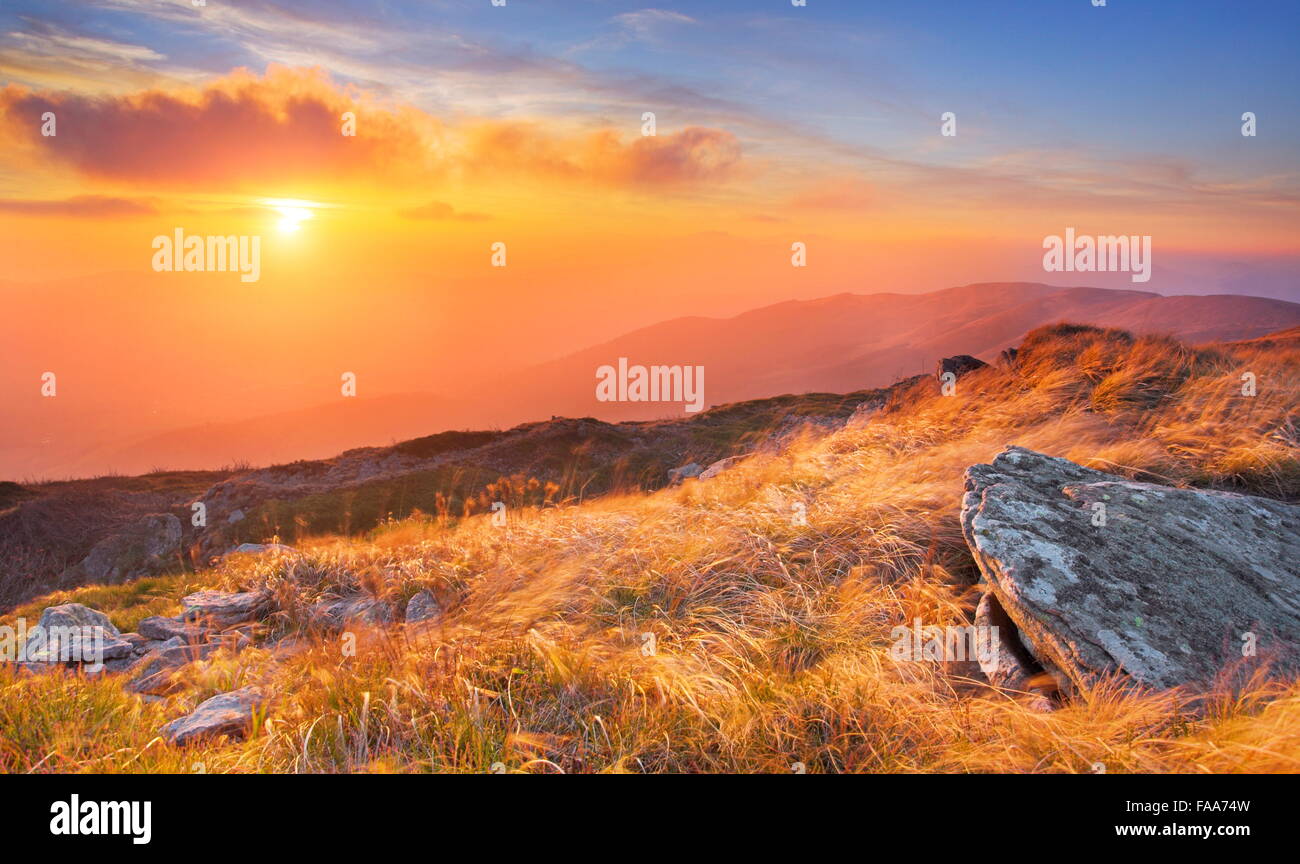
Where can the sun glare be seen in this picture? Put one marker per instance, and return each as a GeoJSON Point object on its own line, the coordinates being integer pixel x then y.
{"type": "Point", "coordinates": [292, 212]}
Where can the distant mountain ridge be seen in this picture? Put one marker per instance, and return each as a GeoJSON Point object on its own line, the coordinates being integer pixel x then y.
{"type": "Point", "coordinates": [854, 341]}
{"type": "Point", "coordinates": [835, 344]}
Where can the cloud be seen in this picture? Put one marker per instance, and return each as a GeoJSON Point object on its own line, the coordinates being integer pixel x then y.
{"type": "Point", "coordinates": [249, 133]}
{"type": "Point", "coordinates": [240, 131]}
{"type": "Point", "coordinates": [692, 155]}
{"type": "Point", "coordinates": [83, 206]}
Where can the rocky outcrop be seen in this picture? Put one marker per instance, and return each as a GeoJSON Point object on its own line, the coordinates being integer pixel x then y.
{"type": "Point", "coordinates": [685, 472]}
{"type": "Point", "coordinates": [78, 633]}
{"type": "Point", "coordinates": [140, 549]}
{"type": "Point", "coordinates": [225, 714]}
{"type": "Point", "coordinates": [1106, 576]}
{"type": "Point", "coordinates": [422, 607]}
{"type": "Point", "coordinates": [958, 365]}
{"type": "Point", "coordinates": [718, 467]}
{"type": "Point", "coordinates": [222, 609]}
{"type": "Point", "coordinates": [160, 629]}
{"type": "Point", "coordinates": [263, 549]}
{"type": "Point", "coordinates": [349, 611]}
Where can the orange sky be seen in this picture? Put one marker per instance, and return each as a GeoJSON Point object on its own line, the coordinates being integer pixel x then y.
{"type": "Point", "coordinates": [376, 249]}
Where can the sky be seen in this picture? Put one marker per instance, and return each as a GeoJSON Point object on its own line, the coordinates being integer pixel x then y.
{"type": "Point", "coordinates": [524, 125]}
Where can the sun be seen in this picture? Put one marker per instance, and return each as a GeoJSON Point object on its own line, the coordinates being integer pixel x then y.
{"type": "Point", "coordinates": [292, 212]}
{"type": "Point", "coordinates": [293, 217]}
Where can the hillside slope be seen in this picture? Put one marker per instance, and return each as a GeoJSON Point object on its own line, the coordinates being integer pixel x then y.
{"type": "Point", "coordinates": [741, 623]}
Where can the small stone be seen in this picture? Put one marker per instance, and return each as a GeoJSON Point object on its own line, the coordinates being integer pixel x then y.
{"type": "Point", "coordinates": [422, 607]}
{"type": "Point", "coordinates": [225, 714]}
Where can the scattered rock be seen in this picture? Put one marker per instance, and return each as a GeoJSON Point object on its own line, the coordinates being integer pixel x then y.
{"type": "Point", "coordinates": [139, 643]}
{"type": "Point", "coordinates": [225, 714]}
{"type": "Point", "coordinates": [141, 549]}
{"type": "Point", "coordinates": [1003, 659]}
{"type": "Point", "coordinates": [1104, 575]}
{"type": "Point", "coordinates": [718, 467]}
{"type": "Point", "coordinates": [155, 669]}
{"type": "Point", "coordinates": [222, 609]}
{"type": "Point", "coordinates": [690, 469]}
{"type": "Point", "coordinates": [71, 632]}
{"type": "Point", "coordinates": [263, 548]}
{"type": "Point", "coordinates": [422, 607]}
{"type": "Point", "coordinates": [346, 611]}
{"type": "Point", "coordinates": [958, 365]}
{"type": "Point", "coordinates": [158, 628]}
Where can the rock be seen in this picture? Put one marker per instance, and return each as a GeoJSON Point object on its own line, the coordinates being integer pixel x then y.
{"type": "Point", "coordinates": [222, 609]}
{"type": "Point", "coordinates": [958, 365]}
{"type": "Point", "coordinates": [154, 673]}
{"type": "Point", "coordinates": [138, 643]}
{"type": "Point", "coordinates": [76, 615]}
{"type": "Point", "coordinates": [718, 467]}
{"type": "Point", "coordinates": [263, 548]}
{"type": "Point", "coordinates": [72, 632]}
{"type": "Point", "coordinates": [422, 607]}
{"type": "Point", "coordinates": [141, 549]}
{"type": "Point", "coordinates": [346, 611]}
{"type": "Point", "coordinates": [225, 714]}
{"type": "Point", "coordinates": [158, 628]}
{"type": "Point", "coordinates": [237, 516]}
{"type": "Point", "coordinates": [690, 469]}
{"type": "Point", "coordinates": [1008, 357]}
{"type": "Point", "coordinates": [863, 413]}
{"type": "Point", "coordinates": [1004, 660]}
{"type": "Point", "coordinates": [1104, 575]}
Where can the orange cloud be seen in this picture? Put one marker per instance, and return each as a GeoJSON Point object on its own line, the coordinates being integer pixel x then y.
{"type": "Point", "coordinates": [693, 155]}
{"type": "Point", "coordinates": [245, 132]}
{"type": "Point", "coordinates": [85, 206]}
{"type": "Point", "coordinates": [239, 131]}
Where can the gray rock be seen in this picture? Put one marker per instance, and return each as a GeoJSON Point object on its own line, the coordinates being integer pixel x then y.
{"type": "Point", "coordinates": [958, 365]}
{"type": "Point", "coordinates": [237, 516]}
{"type": "Point", "coordinates": [1167, 591]}
{"type": "Point", "coordinates": [690, 469]}
{"type": "Point", "coordinates": [1004, 660]}
{"type": "Point", "coordinates": [222, 609]}
{"type": "Point", "coordinates": [721, 465]}
{"type": "Point", "coordinates": [155, 671]}
{"type": "Point", "coordinates": [350, 611]}
{"type": "Point", "coordinates": [72, 630]}
{"type": "Point", "coordinates": [158, 628]}
{"type": "Point", "coordinates": [422, 607]}
{"type": "Point", "coordinates": [143, 548]}
{"type": "Point", "coordinates": [225, 714]}
{"type": "Point", "coordinates": [263, 549]}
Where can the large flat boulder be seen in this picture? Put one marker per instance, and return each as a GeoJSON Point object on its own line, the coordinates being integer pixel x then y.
{"type": "Point", "coordinates": [222, 609]}
{"type": "Point", "coordinates": [1104, 575]}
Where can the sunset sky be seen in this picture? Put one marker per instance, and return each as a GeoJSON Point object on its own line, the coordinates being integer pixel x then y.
{"type": "Point", "coordinates": [522, 125]}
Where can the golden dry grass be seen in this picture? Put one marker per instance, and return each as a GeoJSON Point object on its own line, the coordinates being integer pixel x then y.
{"type": "Point", "coordinates": [770, 632]}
